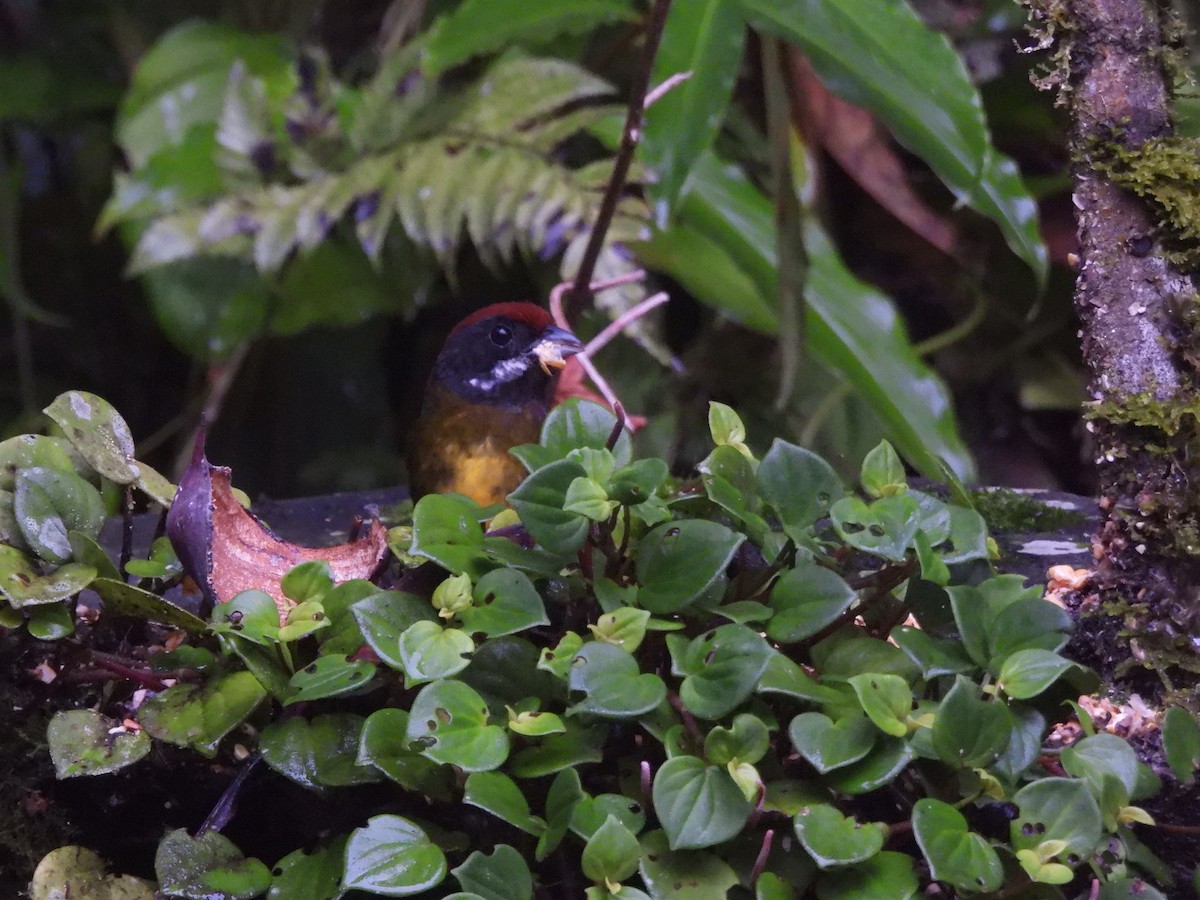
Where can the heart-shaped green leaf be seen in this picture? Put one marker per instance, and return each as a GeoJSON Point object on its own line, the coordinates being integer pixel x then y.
{"type": "Point", "coordinates": [83, 742]}
{"type": "Point", "coordinates": [886, 699]}
{"type": "Point", "coordinates": [449, 721]}
{"type": "Point", "coordinates": [198, 716]}
{"type": "Point", "coordinates": [934, 656]}
{"type": "Point", "coordinates": [207, 866]}
{"type": "Point", "coordinates": [954, 853]}
{"type": "Point", "coordinates": [611, 854]}
{"type": "Point", "coordinates": [625, 627]}
{"type": "Point", "coordinates": [683, 874]}
{"type": "Point", "coordinates": [329, 676]}
{"type": "Point", "coordinates": [806, 599]}
{"type": "Point", "coordinates": [833, 839]}
{"type": "Point", "coordinates": [1057, 809]}
{"type": "Point", "coordinates": [564, 795]}
{"type": "Point", "coordinates": [592, 812]}
{"type": "Point", "coordinates": [27, 451]}
{"type": "Point", "coordinates": [722, 668]}
{"type": "Point", "coordinates": [249, 616]}
{"type": "Point", "coordinates": [614, 685]}
{"type": "Point", "coordinates": [1028, 625]}
{"type": "Point", "coordinates": [384, 744]}
{"type": "Point", "coordinates": [747, 741]}
{"type": "Point", "coordinates": [22, 586]}
{"type": "Point", "coordinates": [446, 530]}
{"type": "Point", "coordinates": [885, 876]}
{"type": "Point", "coordinates": [698, 805]}
{"type": "Point", "coordinates": [499, 795]}
{"type": "Point", "coordinates": [829, 745]}
{"type": "Point", "coordinates": [315, 875]}
{"type": "Point", "coordinates": [394, 857]}
{"type": "Point", "coordinates": [677, 561]}
{"type": "Point", "coordinates": [49, 504]}
{"type": "Point", "coordinates": [969, 731]}
{"type": "Point", "coordinates": [499, 875]}
{"type": "Point", "coordinates": [882, 473]}
{"type": "Point", "coordinates": [885, 528]}
{"type": "Point", "coordinates": [885, 761]}
{"type": "Point", "coordinates": [1181, 742]}
{"type": "Point", "coordinates": [798, 485]}
{"type": "Point", "coordinates": [317, 753]}
{"type": "Point", "coordinates": [1028, 673]}
{"type": "Point", "coordinates": [557, 752]}
{"type": "Point", "coordinates": [539, 502]}
{"type": "Point", "coordinates": [384, 616]}
{"type": "Point", "coordinates": [505, 602]}
{"type": "Point", "coordinates": [430, 652]}
{"type": "Point", "coordinates": [98, 432]}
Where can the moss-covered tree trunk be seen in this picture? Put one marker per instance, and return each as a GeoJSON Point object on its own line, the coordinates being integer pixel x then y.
{"type": "Point", "coordinates": [1137, 309]}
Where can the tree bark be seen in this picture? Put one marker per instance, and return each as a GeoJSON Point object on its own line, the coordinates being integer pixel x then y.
{"type": "Point", "coordinates": [1143, 390]}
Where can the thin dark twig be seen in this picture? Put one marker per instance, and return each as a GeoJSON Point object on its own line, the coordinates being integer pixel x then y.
{"type": "Point", "coordinates": [689, 721]}
{"type": "Point", "coordinates": [785, 558]}
{"type": "Point", "coordinates": [630, 136]}
{"type": "Point", "coordinates": [127, 530]}
{"type": "Point", "coordinates": [883, 586]}
{"type": "Point", "coordinates": [227, 805]}
{"type": "Point", "coordinates": [618, 427]}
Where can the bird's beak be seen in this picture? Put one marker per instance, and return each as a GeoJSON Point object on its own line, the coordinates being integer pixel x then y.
{"type": "Point", "coordinates": [554, 346]}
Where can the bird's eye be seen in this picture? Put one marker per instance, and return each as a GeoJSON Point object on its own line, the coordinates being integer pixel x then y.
{"type": "Point", "coordinates": [501, 335]}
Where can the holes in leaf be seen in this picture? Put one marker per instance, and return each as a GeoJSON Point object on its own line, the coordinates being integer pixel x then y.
{"type": "Point", "coordinates": [235, 617]}
{"type": "Point", "coordinates": [443, 715]}
{"type": "Point", "coordinates": [853, 527]}
{"type": "Point", "coordinates": [311, 669]}
{"type": "Point", "coordinates": [877, 531]}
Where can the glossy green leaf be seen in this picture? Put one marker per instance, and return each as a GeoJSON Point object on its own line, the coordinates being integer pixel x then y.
{"type": "Point", "coordinates": [564, 795]}
{"type": "Point", "coordinates": [592, 812]}
{"type": "Point", "coordinates": [22, 586]}
{"type": "Point", "coordinates": [611, 854]}
{"type": "Point", "coordinates": [886, 699]}
{"type": "Point", "coordinates": [954, 853]}
{"type": "Point", "coordinates": [885, 876]}
{"type": "Point", "coordinates": [677, 561]}
{"type": "Point", "coordinates": [783, 676]}
{"type": "Point", "coordinates": [706, 39]}
{"type": "Point", "coordinates": [393, 857]}
{"type": "Point", "coordinates": [430, 652]}
{"type": "Point", "coordinates": [882, 472]}
{"type": "Point", "coordinates": [806, 599]}
{"type": "Point", "coordinates": [329, 676]}
{"type": "Point", "coordinates": [250, 616]}
{"type": "Point", "coordinates": [50, 621]}
{"type": "Point", "coordinates": [747, 740]}
{"type": "Point", "coordinates": [27, 451]}
{"type": "Point", "coordinates": [1059, 809]}
{"type": "Point", "coordinates": [829, 745]}
{"type": "Point", "coordinates": [1027, 625]}
{"type": "Point", "coordinates": [450, 722]}
{"type": "Point", "coordinates": [1099, 755]}
{"type": "Point", "coordinates": [98, 432]}
{"type": "Point", "coordinates": [698, 805]}
{"type": "Point", "coordinates": [304, 875]}
{"type": "Point", "coordinates": [446, 530]}
{"type": "Point", "coordinates": [969, 731]}
{"type": "Point", "coordinates": [49, 504]}
{"type": "Point", "coordinates": [499, 795]}
{"type": "Point", "coordinates": [576, 423]}
{"type": "Point", "coordinates": [885, 527]}
{"type": "Point", "coordinates": [886, 760]}
{"type": "Point", "coordinates": [539, 502]}
{"type": "Point", "coordinates": [1024, 743]}
{"type": "Point", "coordinates": [318, 752]}
{"type": "Point", "coordinates": [625, 627]}
{"type": "Point", "coordinates": [798, 485]}
{"type": "Point", "coordinates": [505, 602]}
{"type": "Point", "coordinates": [83, 742]}
{"type": "Point", "coordinates": [384, 744]}
{"type": "Point", "coordinates": [833, 839]}
{"type": "Point", "coordinates": [1028, 673]}
{"type": "Point", "coordinates": [1181, 742]}
{"type": "Point", "coordinates": [198, 716]}
{"type": "Point", "coordinates": [614, 686]}
{"type": "Point", "coordinates": [386, 615]}
{"type": "Point", "coordinates": [880, 55]}
{"type": "Point", "coordinates": [682, 874]}
{"type": "Point", "coordinates": [206, 867]}
{"type": "Point", "coordinates": [721, 669]}
{"type": "Point", "coordinates": [499, 875]}
{"type": "Point", "coordinates": [575, 747]}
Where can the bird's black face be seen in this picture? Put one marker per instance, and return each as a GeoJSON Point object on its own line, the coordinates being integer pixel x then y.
{"type": "Point", "coordinates": [504, 361]}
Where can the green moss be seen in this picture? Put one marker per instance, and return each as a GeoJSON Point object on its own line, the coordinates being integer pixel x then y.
{"type": "Point", "coordinates": [1171, 417]}
{"type": "Point", "coordinates": [1165, 171]}
{"type": "Point", "coordinates": [1014, 513]}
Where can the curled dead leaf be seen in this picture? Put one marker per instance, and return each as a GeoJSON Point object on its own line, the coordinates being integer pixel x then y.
{"type": "Point", "coordinates": [225, 549]}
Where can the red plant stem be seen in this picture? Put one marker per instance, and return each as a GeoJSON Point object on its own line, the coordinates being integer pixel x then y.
{"type": "Point", "coordinates": [119, 667]}
{"type": "Point", "coordinates": [611, 330]}
{"type": "Point", "coordinates": [630, 136]}
{"type": "Point", "coordinates": [689, 721]}
{"type": "Point", "coordinates": [764, 853]}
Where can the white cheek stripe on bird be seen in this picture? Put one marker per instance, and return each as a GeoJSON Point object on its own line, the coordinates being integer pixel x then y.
{"type": "Point", "coordinates": [502, 372]}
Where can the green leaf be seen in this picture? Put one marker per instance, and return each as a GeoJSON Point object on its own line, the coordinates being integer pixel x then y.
{"type": "Point", "coordinates": [805, 600]}
{"type": "Point", "coordinates": [446, 530]}
{"type": "Point", "coordinates": [833, 839]}
{"type": "Point", "coordinates": [250, 616]}
{"type": "Point", "coordinates": [722, 668]}
{"type": "Point", "coordinates": [206, 867]}
{"type": "Point", "coordinates": [829, 745]}
{"type": "Point", "coordinates": [886, 760]}
{"type": "Point", "coordinates": [611, 855]}
{"type": "Point", "coordinates": [747, 740]}
{"type": "Point", "coordinates": [22, 586]}
{"type": "Point", "coordinates": [848, 653]}
{"type": "Point", "coordinates": [624, 627]}
{"type": "Point", "coordinates": [706, 39]}
{"type": "Point", "coordinates": [798, 485]}
{"type": "Point", "coordinates": [885, 876]}
{"type": "Point", "coordinates": [682, 874]}
{"type": "Point", "coordinates": [505, 671]}
{"type": "Point", "coordinates": [614, 686]}
{"type": "Point", "coordinates": [505, 602]}
{"type": "Point", "coordinates": [83, 742]}
{"type": "Point", "coordinates": [539, 502]}
{"type": "Point", "coordinates": [1027, 625]}
{"type": "Point", "coordinates": [308, 581]}
{"type": "Point", "coordinates": [500, 875]}
{"type": "Point", "coordinates": [1181, 742]}
{"type": "Point", "coordinates": [886, 699]}
{"type": "Point", "coordinates": [883, 472]}
{"type": "Point", "coordinates": [48, 504]}
{"type": "Point", "coordinates": [384, 616]}
{"type": "Point", "coordinates": [315, 875]}
{"type": "Point", "coordinates": [98, 432]}
{"type": "Point", "coordinates": [698, 805]}
{"type": "Point", "coordinates": [934, 656]}
{"type": "Point", "coordinates": [499, 795]}
{"type": "Point", "coordinates": [329, 676]}
{"type": "Point", "coordinates": [677, 561]}
{"type": "Point", "coordinates": [1024, 743]}
{"type": "Point", "coordinates": [198, 716]}
{"type": "Point", "coordinates": [384, 744]}
{"type": "Point", "coordinates": [564, 795]}
{"type": "Point", "coordinates": [576, 423]}
{"type": "Point", "coordinates": [884, 528]}
{"type": "Point", "coordinates": [592, 812]}
{"type": "Point", "coordinates": [970, 732]}
{"type": "Point", "coordinates": [483, 26]}
{"type": "Point", "coordinates": [880, 55]}
{"type": "Point", "coordinates": [1099, 755]}
{"type": "Point", "coordinates": [954, 853]}
{"type": "Point", "coordinates": [430, 652]}
{"type": "Point", "coordinates": [50, 621]}
{"type": "Point", "coordinates": [1056, 809]}
{"type": "Point", "coordinates": [1028, 673]}
{"type": "Point", "coordinates": [393, 857]}
{"type": "Point", "coordinates": [28, 451]}
{"type": "Point", "coordinates": [449, 720]}
{"type": "Point", "coordinates": [968, 537]}
{"type": "Point", "coordinates": [729, 480]}
{"type": "Point", "coordinates": [783, 676]}
{"type": "Point", "coordinates": [318, 752]}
